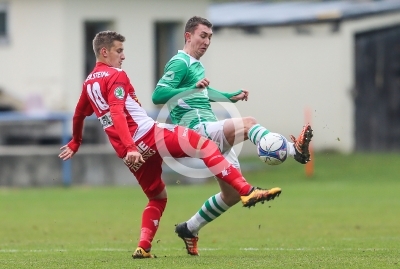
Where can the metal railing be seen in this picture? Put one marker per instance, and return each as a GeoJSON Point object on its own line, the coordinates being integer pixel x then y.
{"type": "Point", "coordinates": [65, 134]}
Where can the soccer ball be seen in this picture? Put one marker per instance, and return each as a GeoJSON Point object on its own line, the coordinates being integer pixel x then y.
{"type": "Point", "coordinates": [272, 149]}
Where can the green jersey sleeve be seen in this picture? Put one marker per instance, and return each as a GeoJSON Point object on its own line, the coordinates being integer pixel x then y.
{"type": "Point", "coordinates": [170, 83]}
{"type": "Point", "coordinates": [217, 96]}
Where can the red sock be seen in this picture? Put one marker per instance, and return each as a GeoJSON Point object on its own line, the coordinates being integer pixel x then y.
{"type": "Point", "coordinates": [150, 220]}
{"type": "Point", "coordinates": [222, 169]}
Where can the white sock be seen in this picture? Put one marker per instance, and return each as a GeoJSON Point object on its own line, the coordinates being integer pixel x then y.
{"type": "Point", "coordinates": [290, 148]}
{"type": "Point", "coordinates": [211, 209]}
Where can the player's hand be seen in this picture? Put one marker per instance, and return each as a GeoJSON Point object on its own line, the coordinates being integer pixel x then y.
{"type": "Point", "coordinates": [132, 158]}
{"type": "Point", "coordinates": [203, 83]}
{"type": "Point", "coordinates": [66, 153]}
{"type": "Point", "coordinates": [243, 96]}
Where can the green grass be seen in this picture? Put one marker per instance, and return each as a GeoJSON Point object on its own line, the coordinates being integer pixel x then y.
{"type": "Point", "coordinates": [346, 216]}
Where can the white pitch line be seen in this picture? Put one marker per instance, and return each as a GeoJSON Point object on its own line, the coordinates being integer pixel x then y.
{"type": "Point", "coordinates": [201, 249]}
{"type": "Point", "coordinates": [108, 249]}
{"type": "Point", "coordinates": [32, 250]}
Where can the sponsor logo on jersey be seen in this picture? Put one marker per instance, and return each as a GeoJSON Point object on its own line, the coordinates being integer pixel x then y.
{"type": "Point", "coordinates": [142, 147]}
{"type": "Point", "coordinates": [97, 75]}
{"type": "Point", "coordinates": [146, 152]}
{"type": "Point", "coordinates": [119, 93]}
{"type": "Point", "coordinates": [106, 120]}
{"type": "Point", "coordinates": [170, 75]}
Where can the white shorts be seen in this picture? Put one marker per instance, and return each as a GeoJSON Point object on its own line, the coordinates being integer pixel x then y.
{"type": "Point", "coordinates": [215, 132]}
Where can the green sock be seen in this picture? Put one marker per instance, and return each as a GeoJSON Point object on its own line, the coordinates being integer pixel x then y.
{"type": "Point", "coordinates": [256, 132]}
{"type": "Point", "coordinates": [211, 209]}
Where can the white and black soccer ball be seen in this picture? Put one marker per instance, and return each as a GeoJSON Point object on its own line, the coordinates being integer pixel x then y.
{"type": "Point", "coordinates": [272, 148]}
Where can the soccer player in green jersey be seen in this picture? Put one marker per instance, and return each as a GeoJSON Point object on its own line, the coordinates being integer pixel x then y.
{"type": "Point", "coordinates": [186, 91]}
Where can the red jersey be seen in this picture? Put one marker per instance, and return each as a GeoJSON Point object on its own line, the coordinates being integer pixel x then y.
{"type": "Point", "coordinates": [108, 93]}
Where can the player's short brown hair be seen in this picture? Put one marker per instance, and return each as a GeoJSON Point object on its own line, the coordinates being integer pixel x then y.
{"type": "Point", "coordinates": [193, 22]}
{"type": "Point", "coordinates": [105, 39]}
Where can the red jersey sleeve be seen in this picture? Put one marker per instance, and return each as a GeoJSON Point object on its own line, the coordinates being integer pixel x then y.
{"type": "Point", "coordinates": [117, 94]}
{"type": "Point", "coordinates": [82, 110]}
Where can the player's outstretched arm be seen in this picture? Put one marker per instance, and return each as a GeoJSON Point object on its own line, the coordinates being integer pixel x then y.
{"type": "Point", "coordinates": [83, 109]}
{"type": "Point", "coordinates": [171, 83]}
{"type": "Point", "coordinates": [218, 96]}
{"type": "Point", "coordinates": [66, 153]}
{"type": "Point", "coordinates": [243, 96]}
{"type": "Point", "coordinates": [163, 93]}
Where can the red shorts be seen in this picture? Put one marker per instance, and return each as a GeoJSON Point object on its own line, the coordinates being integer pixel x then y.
{"type": "Point", "coordinates": [162, 140]}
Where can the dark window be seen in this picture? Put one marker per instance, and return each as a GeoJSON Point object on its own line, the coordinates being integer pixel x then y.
{"type": "Point", "coordinates": [3, 19]}
{"type": "Point", "coordinates": [168, 38]}
{"type": "Point", "coordinates": [91, 29]}
{"type": "Point", "coordinates": [377, 90]}
{"type": "Point", "coordinates": [3, 23]}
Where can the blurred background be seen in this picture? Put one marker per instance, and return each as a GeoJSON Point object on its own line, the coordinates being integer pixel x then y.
{"type": "Point", "coordinates": [335, 64]}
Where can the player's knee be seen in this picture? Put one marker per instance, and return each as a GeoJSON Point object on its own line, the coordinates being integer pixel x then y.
{"type": "Point", "coordinates": [160, 192]}
{"type": "Point", "coordinates": [249, 121]}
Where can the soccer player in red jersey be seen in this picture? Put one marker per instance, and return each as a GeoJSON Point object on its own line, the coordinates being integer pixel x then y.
{"type": "Point", "coordinates": [140, 141]}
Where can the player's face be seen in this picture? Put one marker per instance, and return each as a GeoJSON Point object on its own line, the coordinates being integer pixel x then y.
{"type": "Point", "coordinates": [115, 56]}
{"type": "Point", "coordinates": [199, 40]}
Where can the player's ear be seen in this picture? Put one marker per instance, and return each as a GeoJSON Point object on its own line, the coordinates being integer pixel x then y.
{"type": "Point", "coordinates": [187, 37]}
{"type": "Point", "coordinates": [104, 52]}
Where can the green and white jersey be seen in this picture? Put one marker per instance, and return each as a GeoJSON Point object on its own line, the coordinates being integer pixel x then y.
{"type": "Point", "coordinates": [188, 105]}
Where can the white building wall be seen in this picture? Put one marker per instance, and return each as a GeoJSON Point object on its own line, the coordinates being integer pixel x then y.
{"type": "Point", "coordinates": [133, 19]}
{"type": "Point", "coordinates": [45, 56]}
{"type": "Point", "coordinates": [31, 64]}
{"type": "Point", "coordinates": [288, 73]}
{"type": "Point", "coordinates": [285, 72]}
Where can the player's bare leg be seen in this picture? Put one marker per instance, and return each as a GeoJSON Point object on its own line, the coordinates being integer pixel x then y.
{"type": "Point", "coordinates": [236, 129]}
{"type": "Point", "coordinates": [228, 194]}
{"type": "Point", "coordinates": [239, 190]}
{"type": "Point", "coordinates": [214, 207]}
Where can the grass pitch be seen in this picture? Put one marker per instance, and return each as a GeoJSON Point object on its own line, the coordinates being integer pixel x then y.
{"type": "Point", "coordinates": [346, 216]}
